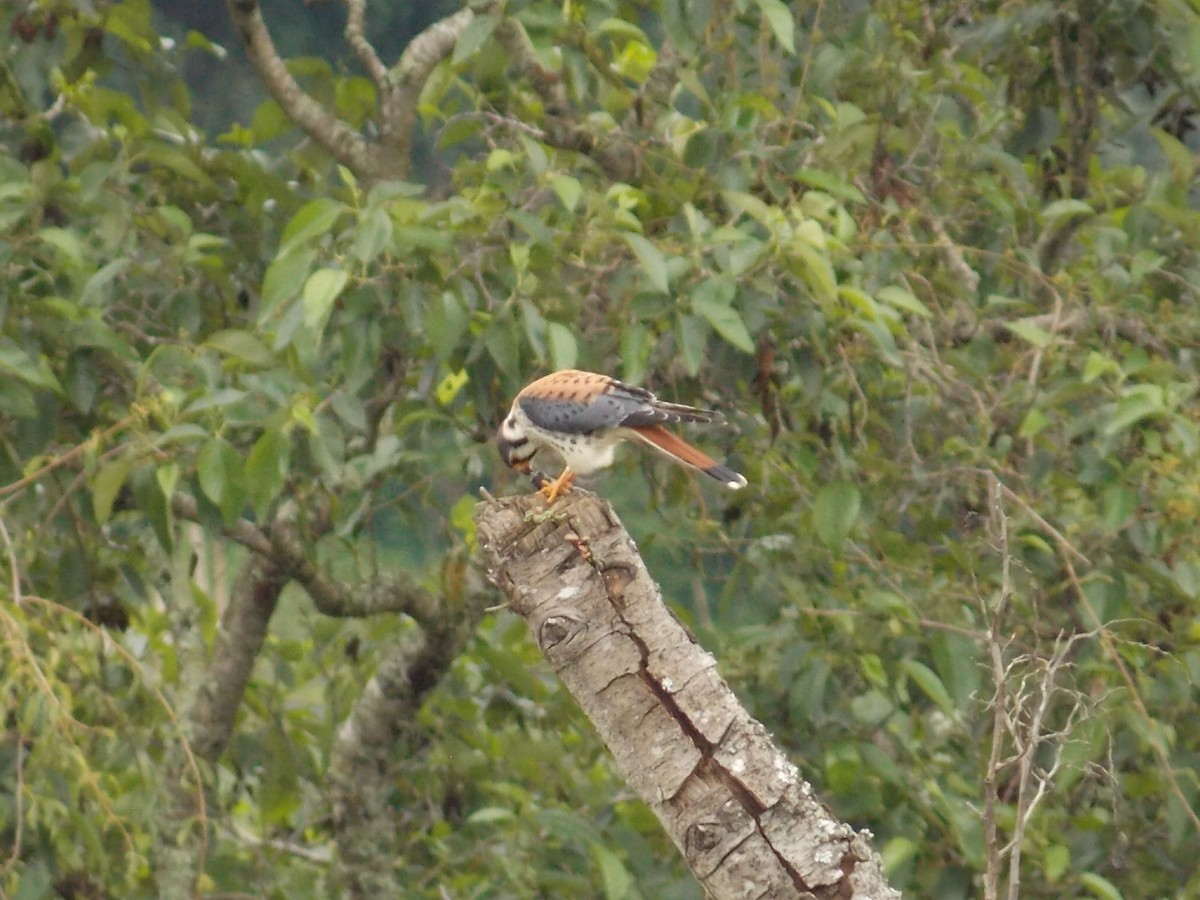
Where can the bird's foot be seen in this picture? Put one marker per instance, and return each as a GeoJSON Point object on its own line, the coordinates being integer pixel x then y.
{"type": "Point", "coordinates": [552, 489]}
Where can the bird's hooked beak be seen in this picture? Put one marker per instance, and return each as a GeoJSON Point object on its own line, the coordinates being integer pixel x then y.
{"type": "Point", "coordinates": [510, 453]}
{"type": "Point", "coordinates": [515, 448]}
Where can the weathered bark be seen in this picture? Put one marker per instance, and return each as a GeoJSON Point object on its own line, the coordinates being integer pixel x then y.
{"type": "Point", "coordinates": [737, 809]}
{"type": "Point", "coordinates": [239, 641]}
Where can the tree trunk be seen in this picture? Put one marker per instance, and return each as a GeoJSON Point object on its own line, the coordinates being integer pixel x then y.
{"type": "Point", "coordinates": [747, 824]}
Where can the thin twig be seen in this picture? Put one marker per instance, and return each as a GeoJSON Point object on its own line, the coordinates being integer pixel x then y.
{"type": "Point", "coordinates": [18, 800]}
{"type": "Point", "coordinates": [14, 570]}
{"type": "Point", "coordinates": [356, 38]}
{"type": "Point", "coordinates": [70, 455]}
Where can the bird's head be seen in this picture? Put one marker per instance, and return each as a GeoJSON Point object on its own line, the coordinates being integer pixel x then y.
{"type": "Point", "coordinates": [514, 445]}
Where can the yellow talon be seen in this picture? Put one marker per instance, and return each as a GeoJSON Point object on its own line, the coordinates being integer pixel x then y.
{"type": "Point", "coordinates": [560, 485]}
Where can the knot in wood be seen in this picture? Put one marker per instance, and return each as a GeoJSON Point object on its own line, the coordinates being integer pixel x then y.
{"type": "Point", "coordinates": [701, 837]}
{"type": "Point", "coordinates": [558, 630]}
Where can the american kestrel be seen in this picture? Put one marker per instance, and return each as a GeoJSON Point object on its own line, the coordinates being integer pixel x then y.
{"type": "Point", "coordinates": [582, 416]}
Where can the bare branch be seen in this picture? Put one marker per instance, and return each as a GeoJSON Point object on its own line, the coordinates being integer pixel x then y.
{"type": "Point", "coordinates": [14, 568]}
{"type": "Point", "coordinates": [335, 598]}
{"type": "Point", "coordinates": [408, 77]}
{"type": "Point", "coordinates": [355, 17]}
{"type": "Point", "coordinates": [745, 821]}
{"type": "Point", "coordinates": [241, 531]}
{"type": "Point", "coordinates": [341, 141]}
{"type": "Point", "coordinates": [284, 548]}
{"type": "Point", "coordinates": [239, 640]}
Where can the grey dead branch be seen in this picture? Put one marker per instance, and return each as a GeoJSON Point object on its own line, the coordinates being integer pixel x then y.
{"type": "Point", "coordinates": [745, 821]}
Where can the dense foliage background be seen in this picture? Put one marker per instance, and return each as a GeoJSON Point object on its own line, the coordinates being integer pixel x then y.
{"type": "Point", "coordinates": [937, 261]}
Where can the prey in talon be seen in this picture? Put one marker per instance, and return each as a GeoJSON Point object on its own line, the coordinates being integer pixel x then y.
{"type": "Point", "coordinates": [581, 417]}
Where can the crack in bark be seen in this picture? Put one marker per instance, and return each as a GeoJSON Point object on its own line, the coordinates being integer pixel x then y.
{"type": "Point", "coordinates": [744, 819]}
{"type": "Point", "coordinates": [666, 698]}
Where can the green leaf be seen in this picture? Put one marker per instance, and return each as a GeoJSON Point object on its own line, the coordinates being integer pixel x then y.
{"type": "Point", "coordinates": [830, 184]}
{"type": "Point", "coordinates": [903, 300]}
{"type": "Point", "coordinates": [473, 37]}
{"type": "Point", "coordinates": [314, 219]}
{"type": "Point", "coordinates": [1066, 209]}
{"type": "Point", "coordinates": [1179, 155]}
{"type": "Point", "coordinates": [693, 339]}
{"type": "Point", "coordinates": [1030, 333]}
{"type": "Point", "coordinates": [488, 815]}
{"type": "Point", "coordinates": [726, 321]}
{"type": "Point", "coordinates": [1056, 861]}
{"type": "Point", "coordinates": [814, 267]}
{"type": "Point", "coordinates": [266, 469]}
{"type": "Point", "coordinates": [635, 351]}
{"type": "Point", "coordinates": [462, 518]}
{"type": "Point", "coordinates": [1098, 365]}
{"type": "Point", "coordinates": [221, 474]}
{"type": "Point", "coordinates": [96, 292]}
{"type": "Point", "coordinates": [459, 130]}
{"type": "Point", "coordinates": [501, 158]}
{"type": "Point", "coordinates": [1034, 422]}
{"type": "Point", "coordinates": [106, 484]}
{"type": "Point", "coordinates": [167, 476]}
{"type": "Point", "coordinates": [712, 299]}
{"type": "Point", "coordinates": [176, 160]}
{"type": "Point", "coordinates": [1100, 887]}
{"type": "Point", "coordinates": [242, 345]}
{"type": "Point", "coordinates": [81, 385]}
{"type": "Point", "coordinates": [928, 682]}
{"type": "Point", "coordinates": [35, 372]}
{"type": "Point", "coordinates": [1117, 504]}
{"type": "Point", "coordinates": [420, 237]}
{"type": "Point", "coordinates": [35, 882]}
{"type": "Point", "coordinates": [635, 61]}
{"type": "Point", "coordinates": [149, 497]}
{"type": "Point", "coordinates": [835, 510]}
{"type": "Point", "coordinates": [1139, 402]}
{"type": "Point", "coordinates": [652, 260]}
{"type": "Point", "coordinates": [563, 349]}
{"type": "Point", "coordinates": [214, 399]}
{"type": "Point", "coordinates": [621, 29]}
{"type": "Point", "coordinates": [372, 235]}
{"type": "Point", "coordinates": [567, 189]}
{"type": "Point", "coordinates": [567, 826]}
{"type": "Point", "coordinates": [783, 25]}
{"type": "Point", "coordinates": [744, 255]}
{"type": "Point", "coordinates": [897, 852]}
{"type": "Point", "coordinates": [500, 338]}
{"type": "Point", "coordinates": [283, 280]}
{"type": "Point", "coordinates": [446, 323]}
{"type": "Point", "coordinates": [321, 289]}
{"type": "Point", "coordinates": [614, 876]}
{"type": "Point", "coordinates": [449, 387]}
{"type": "Point", "coordinates": [955, 659]}
{"type": "Point", "coordinates": [91, 332]}
{"type": "Point", "coordinates": [860, 302]}
{"type": "Point", "coordinates": [72, 250]}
